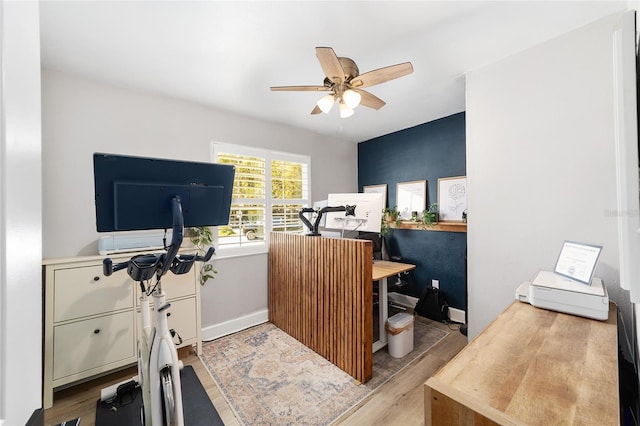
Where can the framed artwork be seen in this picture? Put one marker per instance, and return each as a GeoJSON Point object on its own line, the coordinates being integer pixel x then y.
{"type": "Point", "coordinates": [452, 198]}
{"type": "Point", "coordinates": [381, 189]}
{"type": "Point", "coordinates": [411, 197]}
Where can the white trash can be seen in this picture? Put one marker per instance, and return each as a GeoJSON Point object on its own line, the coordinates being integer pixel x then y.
{"type": "Point", "coordinates": [400, 334]}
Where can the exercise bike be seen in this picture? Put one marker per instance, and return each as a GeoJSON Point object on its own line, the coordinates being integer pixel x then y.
{"type": "Point", "coordinates": [158, 364]}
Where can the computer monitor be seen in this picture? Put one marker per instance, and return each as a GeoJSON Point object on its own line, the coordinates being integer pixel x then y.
{"type": "Point", "coordinates": [366, 217]}
{"type": "Point", "coordinates": [135, 193]}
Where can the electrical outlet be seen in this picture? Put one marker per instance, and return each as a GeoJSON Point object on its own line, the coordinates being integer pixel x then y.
{"type": "Point", "coordinates": [435, 283]}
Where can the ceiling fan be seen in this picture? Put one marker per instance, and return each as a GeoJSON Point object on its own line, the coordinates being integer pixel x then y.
{"type": "Point", "coordinates": [344, 81]}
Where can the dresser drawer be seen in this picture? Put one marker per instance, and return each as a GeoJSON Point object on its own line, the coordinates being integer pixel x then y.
{"type": "Point", "coordinates": [84, 291]}
{"type": "Point", "coordinates": [175, 286]}
{"type": "Point", "coordinates": [93, 343]}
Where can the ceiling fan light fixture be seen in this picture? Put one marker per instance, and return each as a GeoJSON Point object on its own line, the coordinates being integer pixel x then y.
{"type": "Point", "coordinates": [351, 98]}
{"type": "Point", "coordinates": [325, 103]}
{"type": "Point", "coordinates": [345, 83]}
{"type": "Point", "coordinates": [345, 111]}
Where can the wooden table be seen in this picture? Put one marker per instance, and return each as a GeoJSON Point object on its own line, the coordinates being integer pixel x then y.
{"type": "Point", "coordinates": [382, 269]}
{"type": "Point", "coordinates": [531, 366]}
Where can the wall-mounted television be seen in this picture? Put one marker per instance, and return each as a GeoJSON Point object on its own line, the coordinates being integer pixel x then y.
{"type": "Point", "coordinates": [367, 215]}
{"type": "Point", "coordinates": [135, 193]}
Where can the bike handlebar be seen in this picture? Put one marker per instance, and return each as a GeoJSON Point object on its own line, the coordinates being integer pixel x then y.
{"type": "Point", "coordinates": [144, 267]}
{"type": "Point", "coordinates": [109, 268]}
{"type": "Point", "coordinates": [207, 256]}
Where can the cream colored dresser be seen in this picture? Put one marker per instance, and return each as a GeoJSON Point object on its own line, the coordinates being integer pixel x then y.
{"type": "Point", "coordinates": [91, 322]}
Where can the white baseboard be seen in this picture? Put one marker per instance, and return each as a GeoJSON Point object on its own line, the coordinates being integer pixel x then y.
{"type": "Point", "coordinates": [457, 315]}
{"type": "Point", "coordinates": [233, 326]}
{"type": "Point", "coordinates": [403, 300]}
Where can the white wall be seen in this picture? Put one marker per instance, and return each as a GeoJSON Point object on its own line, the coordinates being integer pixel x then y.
{"type": "Point", "coordinates": [230, 307]}
{"type": "Point", "coordinates": [81, 117]}
{"type": "Point", "coordinates": [20, 214]}
{"type": "Point", "coordinates": [540, 165]}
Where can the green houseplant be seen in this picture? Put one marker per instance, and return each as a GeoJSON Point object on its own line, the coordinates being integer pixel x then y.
{"type": "Point", "coordinates": [385, 228]}
{"type": "Point", "coordinates": [202, 238]}
{"type": "Point", "coordinates": [389, 215]}
{"type": "Point", "coordinates": [430, 215]}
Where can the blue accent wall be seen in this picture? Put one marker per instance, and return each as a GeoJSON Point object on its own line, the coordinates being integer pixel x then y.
{"type": "Point", "coordinates": [426, 152]}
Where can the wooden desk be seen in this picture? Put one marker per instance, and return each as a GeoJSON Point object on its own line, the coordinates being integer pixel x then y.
{"type": "Point", "coordinates": [382, 269]}
{"type": "Point", "coordinates": [531, 366]}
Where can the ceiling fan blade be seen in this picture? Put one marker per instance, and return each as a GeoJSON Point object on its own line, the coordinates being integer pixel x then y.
{"type": "Point", "coordinates": [316, 110]}
{"type": "Point", "coordinates": [330, 64]}
{"type": "Point", "coordinates": [300, 88]}
{"type": "Point", "coordinates": [382, 75]}
{"type": "Point", "coordinates": [369, 100]}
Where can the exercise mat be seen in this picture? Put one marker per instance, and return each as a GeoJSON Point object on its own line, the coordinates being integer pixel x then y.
{"type": "Point", "coordinates": [198, 408]}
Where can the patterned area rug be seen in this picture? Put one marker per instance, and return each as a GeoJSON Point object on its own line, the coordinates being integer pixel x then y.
{"type": "Point", "coordinates": [269, 378]}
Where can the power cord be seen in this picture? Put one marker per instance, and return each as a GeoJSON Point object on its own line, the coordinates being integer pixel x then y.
{"type": "Point", "coordinates": [452, 325]}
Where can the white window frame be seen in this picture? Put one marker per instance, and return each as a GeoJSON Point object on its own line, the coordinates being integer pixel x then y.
{"type": "Point", "coordinates": [259, 247]}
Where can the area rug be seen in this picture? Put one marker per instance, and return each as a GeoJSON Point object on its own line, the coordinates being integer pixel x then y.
{"type": "Point", "coordinates": [269, 378]}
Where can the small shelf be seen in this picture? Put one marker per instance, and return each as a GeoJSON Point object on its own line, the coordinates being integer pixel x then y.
{"type": "Point", "coordinates": [440, 226]}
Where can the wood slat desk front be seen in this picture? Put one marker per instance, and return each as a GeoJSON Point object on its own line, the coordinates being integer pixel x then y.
{"type": "Point", "coordinates": [531, 366]}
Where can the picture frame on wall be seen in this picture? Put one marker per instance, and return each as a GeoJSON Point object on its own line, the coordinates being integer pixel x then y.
{"type": "Point", "coordinates": [381, 189]}
{"type": "Point", "coordinates": [452, 198]}
{"type": "Point", "coordinates": [411, 197]}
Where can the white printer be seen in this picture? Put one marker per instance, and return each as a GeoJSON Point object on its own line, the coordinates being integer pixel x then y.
{"type": "Point", "coordinates": [571, 288]}
{"type": "Point", "coordinates": [552, 291]}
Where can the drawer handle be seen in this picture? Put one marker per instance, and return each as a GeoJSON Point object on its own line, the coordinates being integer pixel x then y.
{"type": "Point", "coordinates": [96, 331]}
{"type": "Point", "coordinates": [96, 278]}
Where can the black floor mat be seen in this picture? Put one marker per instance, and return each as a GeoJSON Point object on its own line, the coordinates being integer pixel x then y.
{"type": "Point", "coordinates": [197, 407]}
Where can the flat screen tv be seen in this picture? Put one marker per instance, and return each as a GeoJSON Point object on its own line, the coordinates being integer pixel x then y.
{"type": "Point", "coordinates": [135, 193]}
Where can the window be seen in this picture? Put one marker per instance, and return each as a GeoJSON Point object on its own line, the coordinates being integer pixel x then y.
{"type": "Point", "coordinates": [269, 190]}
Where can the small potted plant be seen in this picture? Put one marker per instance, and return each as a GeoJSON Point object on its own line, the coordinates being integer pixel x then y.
{"type": "Point", "coordinates": [392, 215]}
{"type": "Point", "coordinates": [430, 215]}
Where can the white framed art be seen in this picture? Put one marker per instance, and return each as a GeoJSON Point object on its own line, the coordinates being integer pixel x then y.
{"type": "Point", "coordinates": [411, 197]}
{"type": "Point", "coordinates": [452, 198]}
{"type": "Point", "coordinates": [381, 189]}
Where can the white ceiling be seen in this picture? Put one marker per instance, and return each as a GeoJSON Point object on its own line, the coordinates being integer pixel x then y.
{"type": "Point", "coordinates": [227, 54]}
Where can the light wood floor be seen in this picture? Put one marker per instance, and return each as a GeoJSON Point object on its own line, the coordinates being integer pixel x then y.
{"type": "Point", "coordinates": [398, 402]}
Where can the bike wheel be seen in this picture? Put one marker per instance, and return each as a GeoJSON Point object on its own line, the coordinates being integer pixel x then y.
{"type": "Point", "coordinates": [168, 402]}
